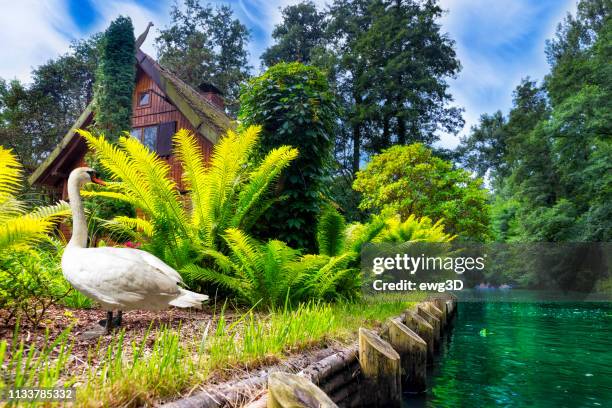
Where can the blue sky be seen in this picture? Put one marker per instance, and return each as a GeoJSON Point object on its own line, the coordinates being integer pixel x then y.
{"type": "Point", "coordinates": [498, 41]}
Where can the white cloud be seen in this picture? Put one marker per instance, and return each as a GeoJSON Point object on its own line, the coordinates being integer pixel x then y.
{"type": "Point", "coordinates": [498, 43]}
{"type": "Point", "coordinates": [32, 32]}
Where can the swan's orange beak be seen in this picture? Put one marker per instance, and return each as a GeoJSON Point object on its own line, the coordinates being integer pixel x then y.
{"type": "Point", "coordinates": [98, 181]}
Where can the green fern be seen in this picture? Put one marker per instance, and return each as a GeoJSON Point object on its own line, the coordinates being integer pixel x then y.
{"type": "Point", "coordinates": [18, 228]}
{"type": "Point", "coordinates": [331, 232]}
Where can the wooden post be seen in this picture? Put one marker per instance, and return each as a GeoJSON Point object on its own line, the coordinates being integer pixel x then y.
{"type": "Point", "coordinates": [441, 304]}
{"type": "Point", "coordinates": [292, 391]}
{"type": "Point", "coordinates": [431, 319]}
{"type": "Point", "coordinates": [380, 366]}
{"type": "Point", "coordinates": [439, 314]}
{"type": "Point", "coordinates": [425, 330]}
{"type": "Point", "coordinates": [413, 353]}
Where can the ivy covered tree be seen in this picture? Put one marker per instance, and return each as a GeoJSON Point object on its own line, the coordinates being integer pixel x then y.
{"type": "Point", "coordinates": [115, 79]}
{"type": "Point", "coordinates": [294, 105]}
{"type": "Point", "coordinates": [410, 180]}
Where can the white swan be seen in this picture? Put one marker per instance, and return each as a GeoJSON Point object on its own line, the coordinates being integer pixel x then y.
{"type": "Point", "coordinates": [118, 278]}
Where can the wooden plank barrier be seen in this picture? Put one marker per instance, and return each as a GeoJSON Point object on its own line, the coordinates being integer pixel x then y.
{"type": "Point", "coordinates": [421, 327]}
{"type": "Point", "coordinates": [293, 391]}
{"type": "Point", "coordinates": [380, 366]}
{"type": "Point", "coordinates": [413, 354]}
{"type": "Point", "coordinates": [423, 311]}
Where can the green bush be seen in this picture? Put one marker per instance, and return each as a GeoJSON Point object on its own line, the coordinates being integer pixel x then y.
{"type": "Point", "coordinates": [410, 180]}
{"type": "Point", "coordinates": [31, 281]}
{"type": "Point", "coordinates": [115, 77]}
{"type": "Point", "coordinates": [294, 105]}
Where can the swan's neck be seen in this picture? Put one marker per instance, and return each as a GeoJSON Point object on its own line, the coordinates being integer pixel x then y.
{"type": "Point", "coordinates": [79, 222]}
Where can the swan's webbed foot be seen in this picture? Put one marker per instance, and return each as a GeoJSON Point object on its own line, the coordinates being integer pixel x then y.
{"type": "Point", "coordinates": [116, 322]}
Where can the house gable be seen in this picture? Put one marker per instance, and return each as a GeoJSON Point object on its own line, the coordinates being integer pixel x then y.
{"type": "Point", "coordinates": [170, 100]}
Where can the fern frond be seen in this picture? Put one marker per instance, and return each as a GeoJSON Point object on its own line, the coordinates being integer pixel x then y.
{"type": "Point", "coordinates": [121, 168]}
{"type": "Point", "coordinates": [331, 232]}
{"type": "Point", "coordinates": [198, 273]}
{"type": "Point", "coordinates": [223, 262]}
{"type": "Point", "coordinates": [166, 197]}
{"type": "Point", "coordinates": [10, 207]}
{"type": "Point", "coordinates": [188, 152]}
{"type": "Point", "coordinates": [112, 195]}
{"type": "Point", "coordinates": [10, 173]}
{"type": "Point", "coordinates": [23, 230]}
{"type": "Point", "coordinates": [260, 179]}
{"type": "Point", "coordinates": [53, 213]}
{"type": "Point", "coordinates": [245, 250]}
{"type": "Point", "coordinates": [139, 225]}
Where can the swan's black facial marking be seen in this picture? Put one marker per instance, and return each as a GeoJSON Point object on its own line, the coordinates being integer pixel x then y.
{"type": "Point", "coordinates": [92, 174]}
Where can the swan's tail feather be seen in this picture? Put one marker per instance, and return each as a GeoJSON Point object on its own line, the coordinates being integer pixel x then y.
{"type": "Point", "coordinates": [189, 299]}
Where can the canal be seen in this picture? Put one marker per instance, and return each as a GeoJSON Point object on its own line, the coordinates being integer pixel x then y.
{"type": "Point", "coordinates": [525, 354]}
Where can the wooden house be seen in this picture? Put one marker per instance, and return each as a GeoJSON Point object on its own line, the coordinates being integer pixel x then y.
{"type": "Point", "coordinates": [161, 104]}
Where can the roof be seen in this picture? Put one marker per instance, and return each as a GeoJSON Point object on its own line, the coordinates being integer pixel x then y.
{"type": "Point", "coordinates": [208, 119]}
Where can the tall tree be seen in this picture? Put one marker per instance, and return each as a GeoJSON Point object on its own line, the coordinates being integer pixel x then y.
{"type": "Point", "coordinates": [294, 105]}
{"type": "Point", "coordinates": [485, 149]}
{"type": "Point", "coordinates": [556, 183]}
{"type": "Point", "coordinates": [301, 31]}
{"type": "Point", "coordinates": [34, 117]}
{"type": "Point", "coordinates": [390, 62]}
{"type": "Point", "coordinates": [203, 44]}
{"type": "Point", "coordinates": [115, 78]}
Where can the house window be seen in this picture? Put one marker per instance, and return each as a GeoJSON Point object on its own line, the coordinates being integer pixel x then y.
{"type": "Point", "coordinates": [144, 99]}
{"type": "Point", "coordinates": [147, 136]}
{"type": "Point", "coordinates": [158, 138]}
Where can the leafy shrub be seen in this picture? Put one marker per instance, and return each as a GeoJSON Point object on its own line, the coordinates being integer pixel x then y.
{"type": "Point", "coordinates": [410, 180]}
{"type": "Point", "coordinates": [30, 280]}
{"type": "Point", "coordinates": [273, 274]}
{"type": "Point", "coordinates": [294, 105]}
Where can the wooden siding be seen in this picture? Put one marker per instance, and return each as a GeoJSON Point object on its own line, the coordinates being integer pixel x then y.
{"type": "Point", "coordinates": [159, 110]}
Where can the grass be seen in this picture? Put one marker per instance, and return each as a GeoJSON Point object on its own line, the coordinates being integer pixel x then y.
{"type": "Point", "coordinates": [165, 364]}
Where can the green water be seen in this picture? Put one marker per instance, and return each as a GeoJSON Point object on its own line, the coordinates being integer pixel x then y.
{"type": "Point", "coordinates": [532, 355]}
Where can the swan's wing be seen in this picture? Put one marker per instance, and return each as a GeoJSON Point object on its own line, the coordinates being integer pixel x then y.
{"type": "Point", "coordinates": [159, 264]}
{"type": "Point", "coordinates": [119, 276]}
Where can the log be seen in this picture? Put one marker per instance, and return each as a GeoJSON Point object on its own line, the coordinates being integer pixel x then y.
{"type": "Point", "coordinates": [323, 369]}
{"type": "Point", "coordinates": [421, 327]}
{"type": "Point", "coordinates": [350, 392]}
{"type": "Point", "coordinates": [380, 365]}
{"type": "Point", "coordinates": [441, 304]}
{"type": "Point", "coordinates": [413, 353]}
{"type": "Point", "coordinates": [237, 392]}
{"type": "Point", "coordinates": [340, 379]}
{"type": "Point", "coordinates": [422, 310]}
{"type": "Point", "coordinates": [293, 391]}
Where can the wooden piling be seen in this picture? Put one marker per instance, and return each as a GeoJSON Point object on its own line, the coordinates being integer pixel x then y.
{"type": "Point", "coordinates": [423, 311]}
{"type": "Point", "coordinates": [413, 354]}
{"type": "Point", "coordinates": [380, 366]}
{"type": "Point", "coordinates": [292, 391]}
{"type": "Point", "coordinates": [441, 304]}
{"type": "Point", "coordinates": [439, 314]}
{"type": "Point", "coordinates": [421, 327]}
